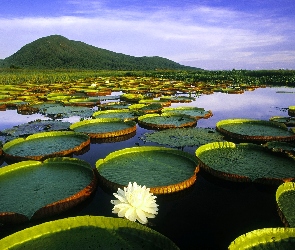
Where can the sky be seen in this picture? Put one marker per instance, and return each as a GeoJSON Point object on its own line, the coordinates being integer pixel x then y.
{"type": "Point", "coordinates": [208, 34]}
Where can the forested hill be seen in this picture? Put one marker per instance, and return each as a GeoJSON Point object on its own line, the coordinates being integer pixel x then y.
{"type": "Point", "coordinates": [58, 52]}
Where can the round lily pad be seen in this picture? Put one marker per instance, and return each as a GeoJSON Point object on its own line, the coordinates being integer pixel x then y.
{"type": "Point", "coordinates": [285, 197]}
{"type": "Point", "coordinates": [58, 111]}
{"type": "Point", "coordinates": [246, 162]}
{"type": "Point", "coordinates": [141, 108]}
{"type": "Point", "coordinates": [163, 170]}
{"type": "Point", "coordinates": [251, 130]}
{"type": "Point", "coordinates": [104, 127]}
{"type": "Point", "coordinates": [291, 111]}
{"type": "Point", "coordinates": [124, 114]}
{"type": "Point", "coordinates": [281, 146]}
{"type": "Point", "coordinates": [34, 189]}
{"type": "Point", "coordinates": [43, 145]}
{"type": "Point", "coordinates": [266, 238]}
{"type": "Point", "coordinates": [288, 121]}
{"type": "Point", "coordinates": [115, 105]}
{"type": "Point", "coordinates": [36, 127]}
{"type": "Point", "coordinates": [165, 121]}
{"type": "Point", "coordinates": [191, 111]}
{"type": "Point", "coordinates": [182, 137]}
{"type": "Point", "coordinates": [88, 232]}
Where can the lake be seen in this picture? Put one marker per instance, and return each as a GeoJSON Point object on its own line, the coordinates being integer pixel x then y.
{"type": "Point", "coordinates": [211, 213]}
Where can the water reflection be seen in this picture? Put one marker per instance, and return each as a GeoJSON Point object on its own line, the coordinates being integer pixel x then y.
{"type": "Point", "coordinates": [211, 215]}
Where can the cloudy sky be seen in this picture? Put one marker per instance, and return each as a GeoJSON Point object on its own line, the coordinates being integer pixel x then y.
{"type": "Point", "coordinates": [209, 34]}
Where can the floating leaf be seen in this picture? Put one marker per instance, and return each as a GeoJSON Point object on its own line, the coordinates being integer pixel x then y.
{"type": "Point", "coordinates": [191, 111]}
{"type": "Point", "coordinates": [285, 197]}
{"type": "Point", "coordinates": [266, 238]}
{"type": "Point", "coordinates": [88, 232]}
{"type": "Point", "coordinates": [36, 189]}
{"type": "Point", "coordinates": [255, 130]}
{"type": "Point", "coordinates": [40, 146]}
{"type": "Point", "coordinates": [246, 162]}
{"type": "Point", "coordinates": [181, 137]}
{"type": "Point", "coordinates": [163, 170]}
{"type": "Point", "coordinates": [124, 114]}
{"type": "Point", "coordinates": [104, 127]}
{"type": "Point", "coordinates": [36, 127]}
{"type": "Point", "coordinates": [165, 121]}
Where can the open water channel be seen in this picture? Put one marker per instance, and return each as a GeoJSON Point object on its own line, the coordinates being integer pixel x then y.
{"type": "Point", "coordinates": [211, 213]}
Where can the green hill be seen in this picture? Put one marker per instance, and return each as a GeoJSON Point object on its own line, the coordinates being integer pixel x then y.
{"type": "Point", "coordinates": [58, 52]}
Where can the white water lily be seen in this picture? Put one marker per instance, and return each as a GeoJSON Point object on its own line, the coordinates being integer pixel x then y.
{"type": "Point", "coordinates": [135, 202]}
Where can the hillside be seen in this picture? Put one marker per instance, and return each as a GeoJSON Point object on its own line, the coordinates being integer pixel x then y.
{"type": "Point", "coordinates": [56, 51]}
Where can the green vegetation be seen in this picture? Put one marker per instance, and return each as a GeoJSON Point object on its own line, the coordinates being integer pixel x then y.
{"type": "Point", "coordinates": [163, 170]}
{"type": "Point", "coordinates": [246, 162]}
{"type": "Point", "coordinates": [88, 232]}
{"type": "Point", "coordinates": [56, 51]}
{"type": "Point", "coordinates": [36, 184]}
{"type": "Point", "coordinates": [195, 80]}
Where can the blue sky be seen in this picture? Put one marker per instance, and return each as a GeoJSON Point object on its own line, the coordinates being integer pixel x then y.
{"type": "Point", "coordinates": [209, 34]}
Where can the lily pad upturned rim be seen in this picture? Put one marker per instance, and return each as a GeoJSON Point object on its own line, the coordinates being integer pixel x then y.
{"type": "Point", "coordinates": [156, 189]}
{"type": "Point", "coordinates": [254, 138]}
{"type": "Point", "coordinates": [225, 175]}
{"type": "Point", "coordinates": [86, 231]}
{"type": "Point", "coordinates": [56, 207]}
{"type": "Point", "coordinates": [262, 237]}
{"type": "Point", "coordinates": [124, 131]}
{"type": "Point", "coordinates": [291, 111]}
{"type": "Point", "coordinates": [182, 137]}
{"type": "Point", "coordinates": [129, 115]}
{"type": "Point", "coordinates": [177, 110]}
{"type": "Point", "coordinates": [85, 141]}
{"type": "Point", "coordinates": [285, 188]}
{"type": "Point", "coordinates": [142, 122]}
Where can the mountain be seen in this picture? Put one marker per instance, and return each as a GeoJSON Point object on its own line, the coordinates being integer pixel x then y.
{"type": "Point", "coordinates": [58, 52]}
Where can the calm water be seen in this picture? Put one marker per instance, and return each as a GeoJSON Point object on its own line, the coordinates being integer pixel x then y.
{"type": "Point", "coordinates": [211, 214]}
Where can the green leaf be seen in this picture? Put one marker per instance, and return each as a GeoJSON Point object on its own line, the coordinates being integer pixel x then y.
{"type": "Point", "coordinates": [181, 137]}
{"type": "Point", "coordinates": [266, 238]}
{"type": "Point", "coordinates": [29, 186]}
{"type": "Point", "coordinates": [87, 232]}
{"type": "Point", "coordinates": [161, 169]}
{"type": "Point", "coordinates": [255, 130]}
{"type": "Point", "coordinates": [47, 144]}
{"type": "Point", "coordinates": [248, 162]}
{"type": "Point", "coordinates": [285, 197]}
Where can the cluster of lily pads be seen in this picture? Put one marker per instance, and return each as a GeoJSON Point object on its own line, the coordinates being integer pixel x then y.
{"type": "Point", "coordinates": [40, 152]}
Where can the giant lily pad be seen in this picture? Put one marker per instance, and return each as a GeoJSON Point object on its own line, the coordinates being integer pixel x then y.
{"type": "Point", "coordinates": [255, 130]}
{"type": "Point", "coordinates": [35, 189]}
{"type": "Point", "coordinates": [281, 146]}
{"type": "Point", "coordinates": [288, 121]}
{"type": "Point", "coordinates": [181, 137]}
{"type": "Point", "coordinates": [291, 111]}
{"type": "Point", "coordinates": [36, 127]}
{"type": "Point", "coordinates": [124, 114]}
{"type": "Point", "coordinates": [104, 127]}
{"type": "Point", "coordinates": [58, 111]}
{"type": "Point", "coordinates": [191, 111]}
{"type": "Point", "coordinates": [246, 162]}
{"type": "Point", "coordinates": [266, 238]}
{"type": "Point", "coordinates": [40, 146]}
{"type": "Point", "coordinates": [164, 121]}
{"type": "Point", "coordinates": [146, 108]}
{"type": "Point", "coordinates": [285, 197]}
{"type": "Point", "coordinates": [163, 170]}
{"type": "Point", "coordinates": [88, 232]}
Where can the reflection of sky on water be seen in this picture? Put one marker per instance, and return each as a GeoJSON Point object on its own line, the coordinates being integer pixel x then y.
{"type": "Point", "coordinates": [261, 103]}
{"type": "Point", "coordinates": [10, 118]}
